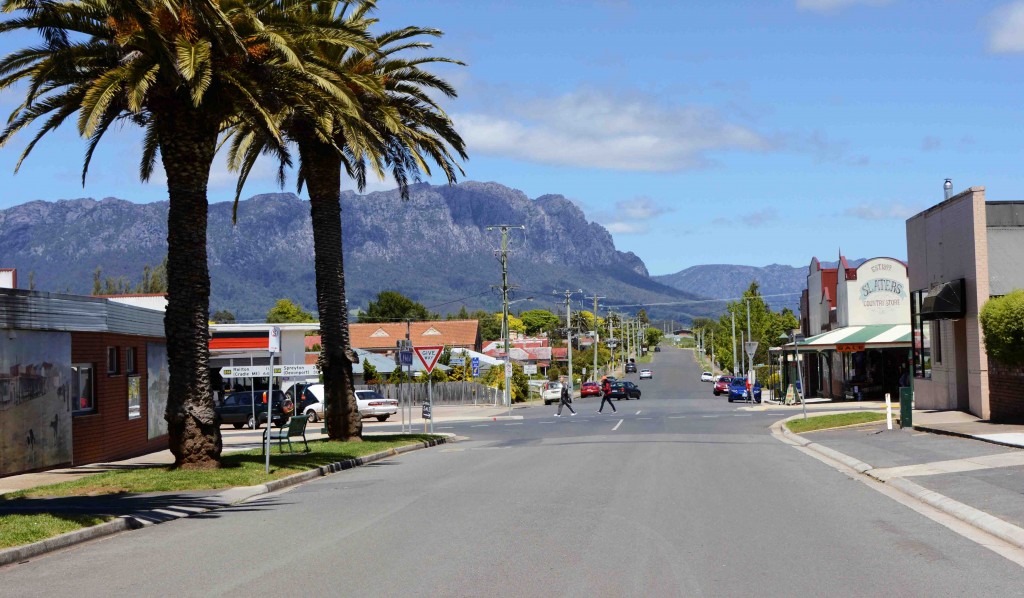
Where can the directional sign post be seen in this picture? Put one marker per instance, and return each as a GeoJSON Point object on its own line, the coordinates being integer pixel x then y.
{"type": "Point", "coordinates": [457, 361]}
{"type": "Point", "coordinates": [475, 364]}
{"type": "Point", "coordinates": [428, 357]}
{"type": "Point", "coordinates": [751, 347]}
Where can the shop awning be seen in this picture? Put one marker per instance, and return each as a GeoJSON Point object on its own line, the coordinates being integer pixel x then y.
{"type": "Point", "coordinates": [945, 301]}
{"type": "Point", "coordinates": [857, 338]}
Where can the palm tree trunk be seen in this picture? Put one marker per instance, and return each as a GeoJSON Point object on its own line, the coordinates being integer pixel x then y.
{"type": "Point", "coordinates": [323, 179]}
{"type": "Point", "coordinates": [187, 147]}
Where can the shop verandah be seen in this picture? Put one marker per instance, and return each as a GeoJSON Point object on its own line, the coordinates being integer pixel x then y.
{"type": "Point", "coordinates": [851, 363]}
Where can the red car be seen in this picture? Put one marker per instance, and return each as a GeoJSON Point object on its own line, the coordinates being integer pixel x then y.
{"type": "Point", "coordinates": [722, 385]}
{"type": "Point", "coordinates": [590, 389]}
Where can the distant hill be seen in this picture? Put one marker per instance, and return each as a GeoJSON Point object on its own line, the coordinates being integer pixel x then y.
{"type": "Point", "coordinates": [434, 248]}
{"type": "Point", "coordinates": [780, 284]}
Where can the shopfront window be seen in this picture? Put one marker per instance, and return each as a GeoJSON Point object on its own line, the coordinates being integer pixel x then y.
{"type": "Point", "coordinates": [84, 400]}
{"type": "Point", "coordinates": [920, 337]}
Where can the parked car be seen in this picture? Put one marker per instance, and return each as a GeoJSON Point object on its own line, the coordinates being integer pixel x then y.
{"type": "Point", "coordinates": [738, 390]}
{"type": "Point", "coordinates": [630, 368]}
{"type": "Point", "coordinates": [721, 385]}
{"type": "Point", "coordinates": [236, 408]}
{"type": "Point", "coordinates": [369, 402]}
{"type": "Point", "coordinates": [590, 389]}
{"type": "Point", "coordinates": [624, 389]}
{"type": "Point", "coordinates": [646, 374]}
{"type": "Point", "coordinates": [707, 377]}
{"type": "Point", "coordinates": [551, 392]}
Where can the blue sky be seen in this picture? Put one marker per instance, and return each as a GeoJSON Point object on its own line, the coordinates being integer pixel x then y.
{"type": "Point", "coordinates": [696, 132]}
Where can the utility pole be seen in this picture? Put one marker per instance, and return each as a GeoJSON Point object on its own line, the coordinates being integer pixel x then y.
{"type": "Point", "coordinates": [734, 344]}
{"type": "Point", "coordinates": [568, 328]}
{"type": "Point", "coordinates": [749, 338]}
{"type": "Point", "coordinates": [596, 335]}
{"type": "Point", "coordinates": [504, 304]}
{"type": "Point", "coordinates": [611, 337]}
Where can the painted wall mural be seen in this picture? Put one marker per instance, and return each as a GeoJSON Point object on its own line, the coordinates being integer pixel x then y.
{"type": "Point", "coordinates": [156, 392]}
{"type": "Point", "coordinates": [35, 400]}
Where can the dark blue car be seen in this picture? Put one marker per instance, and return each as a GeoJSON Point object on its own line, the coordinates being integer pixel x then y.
{"type": "Point", "coordinates": [738, 390]}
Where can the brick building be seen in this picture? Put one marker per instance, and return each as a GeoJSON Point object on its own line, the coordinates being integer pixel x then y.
{"type": "Point", "coordinates": [82, 380]}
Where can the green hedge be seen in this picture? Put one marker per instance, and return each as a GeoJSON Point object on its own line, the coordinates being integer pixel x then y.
{"type": "Point", "coordinates": [1002, 321]}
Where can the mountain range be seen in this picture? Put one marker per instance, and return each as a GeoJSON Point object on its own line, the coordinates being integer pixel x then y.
{"type": "Point", "coordinates": [438, 248]}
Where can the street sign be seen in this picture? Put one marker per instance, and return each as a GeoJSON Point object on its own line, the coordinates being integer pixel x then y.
{"type": "Point", "coordinates": [849, 347]}
{"type": "Point", "coordinates": [508, 368]}
{"type": "Point", "coordinates": [263, 371]}
{"type": "Point", "coordinates": [405, 357]}
{"type": "Point", "coordinates": [296, 371]}
{"type": "Point", "coordinates": [426, 410]}
{"type": "Point", "coordinates": [274, 342]}
{"type": "Point", "coordinates": [475, 364]}
{"type": "Point", "coordinates": [245, 371]}
{"type": "Point", "coordinates": [529, 370]}
{"type": "Point", "coordinates": [750, 347]}
{"type": "Point", "coordinates": [457, 361]}
{"type": "Point", "coordinates": [428, 356]}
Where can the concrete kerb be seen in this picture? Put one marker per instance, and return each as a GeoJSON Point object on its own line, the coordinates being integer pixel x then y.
{"type": "Point", "coordinates": [227, 498]}
{"type": "Point", "coordinates": [983, 521]}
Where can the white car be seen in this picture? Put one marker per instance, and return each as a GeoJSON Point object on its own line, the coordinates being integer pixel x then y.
{"type": "Point", "coordinates": [707, 377]}
{"type": "Point", "coordinates": [551, 393]}
{"type": "Point", "coordinates": [370, 403]}
{"type": "Point", "coordinates": [646, 374]}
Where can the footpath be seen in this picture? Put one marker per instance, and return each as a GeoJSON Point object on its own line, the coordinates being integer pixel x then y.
{"type": "Point", "coordinates": [952, 461]}
{"type": "Point", "coordinates": [133, 511]}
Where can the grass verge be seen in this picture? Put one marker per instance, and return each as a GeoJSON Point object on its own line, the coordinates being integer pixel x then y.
{"type": "Point", "coordinates": [821, 422]}
{"type": "Point", "coordinates": [18, 530]}
{"type": "Point", "coordinates": [237, 469]}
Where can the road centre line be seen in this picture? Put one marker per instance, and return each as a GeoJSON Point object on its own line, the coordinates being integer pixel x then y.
{"type": "Point", "coordinates": [639, 411]}
{"type": "Point", "coordinates": [709, 416]}
{"type": "Point", "coordinates": [617, 425]}
{"type": "Point", "coordinates": [677, 417]}
{"type": "Point", "coordinates": [480, 425]}
{"type": "Point", "coordinates": [515, 424]}
{"type": "Point", "coordinates": [645, 418]}
{"type": "Point", "coordinates": [742, 414]}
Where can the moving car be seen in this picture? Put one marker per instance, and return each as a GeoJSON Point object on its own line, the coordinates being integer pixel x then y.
{"type": "Point", "coordinates": [369, 402]}
{"type": "Point", "coordinates": [721, 385]}
{"type": "Point", "coordinates": [236, 408]}
{"type": "Point", "coordinates": [630, 368]}
{"type": "Point", "coordinates": [707, 377]}
{"type": "Point", "coordinates": [551, 392]}
{"type": "Point", "coordinates": [657, 349]}
{"type": "Point", "coordinates": [738, 390]}
{"type": "Point", "coordinates": [624, 389]}
{"type": "Point", "coordinates": [590, 389]}
{"type": "Point", "coordinates": [646, 374]}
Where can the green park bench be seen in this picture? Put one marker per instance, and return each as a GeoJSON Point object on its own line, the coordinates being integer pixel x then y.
{"type": "Point", "coordinates": [296, 429]}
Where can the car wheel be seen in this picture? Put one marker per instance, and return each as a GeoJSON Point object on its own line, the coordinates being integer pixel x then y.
{"type": "Point", "coordinates": [730, 398]}
{"type": "Point", "coordinates": [311, 416]}
{"type": "Point", "coordinates": [251, 424]}
{"type": "Point", "coordinates": [383, 418]}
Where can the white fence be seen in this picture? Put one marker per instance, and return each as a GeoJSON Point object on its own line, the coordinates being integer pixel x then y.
{"type": "Point", "coordinates": [445, 393]}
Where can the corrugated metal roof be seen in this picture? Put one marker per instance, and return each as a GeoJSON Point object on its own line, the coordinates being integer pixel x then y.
{"type": "Point", "coordinates": [34, 310]}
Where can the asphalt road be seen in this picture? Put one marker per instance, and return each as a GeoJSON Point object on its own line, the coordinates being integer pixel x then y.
{"type": "Point", "coordinates": [678, 494]}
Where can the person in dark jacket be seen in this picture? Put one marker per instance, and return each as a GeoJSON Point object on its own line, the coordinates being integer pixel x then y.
{"type": "Point", "coordinates": [565, 400]}
{"type": "Point", "coordinates": [606, 391]}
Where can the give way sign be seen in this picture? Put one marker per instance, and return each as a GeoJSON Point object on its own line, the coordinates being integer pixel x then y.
{"type": "Point", "coordinates": [428, 356]}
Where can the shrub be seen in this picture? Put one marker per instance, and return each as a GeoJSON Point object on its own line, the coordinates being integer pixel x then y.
{"type": "Point", "coordinates": [1002, 321]}
{"type": "Point", "coordinates": [554, 372]}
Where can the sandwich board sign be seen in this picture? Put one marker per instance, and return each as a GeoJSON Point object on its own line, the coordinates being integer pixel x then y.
{"type": "Point", "coordinates": [428, 356]}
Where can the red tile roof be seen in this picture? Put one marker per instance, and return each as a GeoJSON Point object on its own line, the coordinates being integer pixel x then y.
{"type": "Point", "coordinates": [384, 336]}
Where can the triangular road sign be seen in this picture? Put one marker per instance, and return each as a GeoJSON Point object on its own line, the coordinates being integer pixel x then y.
{"type": "Point", "coordinates": [428, 356]}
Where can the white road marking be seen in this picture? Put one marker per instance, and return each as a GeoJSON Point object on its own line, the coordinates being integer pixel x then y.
{"type": "Point", "coordinates": [480, 426]}
{"type": "Point", "coordinates": [709, 416]}
{"type": "Point", "coordinates": [515, 424]}
{"type": "Point", "coordinates": [545, 422]}
{"type": "Point", "coordinates": [639, 411]}
{"type": "Point", "coordinates": [444, 427]}
{"type": "Point", "coordinates": [741, 414]}
{"type": "Point", "coordinates": [645, 418]}
{"type": "Point", "coordinates": [677, 417]}
{"type": "Point", "coordinates": [617, 425]}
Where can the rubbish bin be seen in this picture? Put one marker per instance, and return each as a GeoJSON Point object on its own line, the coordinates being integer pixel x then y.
{"type": "Point", "coordinates": [906, 407]}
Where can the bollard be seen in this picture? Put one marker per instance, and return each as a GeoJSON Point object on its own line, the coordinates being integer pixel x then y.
{"type": "Point", "coordinates": [906, 407]}
{"type": "Point", "coordinates": [888, 411]}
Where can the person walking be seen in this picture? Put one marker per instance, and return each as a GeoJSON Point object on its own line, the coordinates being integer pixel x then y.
{"type": "Point", "coordinates": [565, 400]}
{"type": "Point", "coordinates": [606, 391]}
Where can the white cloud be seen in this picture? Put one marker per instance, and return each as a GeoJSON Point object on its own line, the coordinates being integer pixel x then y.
{"type": "Point", "coordinates": [626, 228]}
{"type": "Point", "coordinates": [834, 5]}
{"type": "Point", "coordinates": [1006, 28]}
{"type": "Point", "coordinates": [754, 219]}
{"type": "Point", "coordinates": [889, 211]}
{"type": "Point", "coordinates": [640, 208]}
{"type": "Point", "coordinates": [931, 143]}
{"type": "Point", "coordinates": [593, 129]}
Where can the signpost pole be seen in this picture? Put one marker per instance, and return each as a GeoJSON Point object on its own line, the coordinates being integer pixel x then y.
{"type": "Point", "coordinates": [430, 399]}
{"type": "Point", "coordinates": [273, 346]}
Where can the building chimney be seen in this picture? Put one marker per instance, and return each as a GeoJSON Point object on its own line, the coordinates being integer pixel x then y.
{"type": "Point", "coordinates": [947, 188]}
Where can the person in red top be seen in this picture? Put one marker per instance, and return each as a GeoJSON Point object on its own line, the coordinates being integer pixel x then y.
{"type": "Point", "coordinates": [606, 391]}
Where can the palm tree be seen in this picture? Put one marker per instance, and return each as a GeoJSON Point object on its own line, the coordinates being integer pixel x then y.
{"type": "Point", "coordinates": [180, 69]}
{"type": "Point", "coordinates": [397, 130]}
